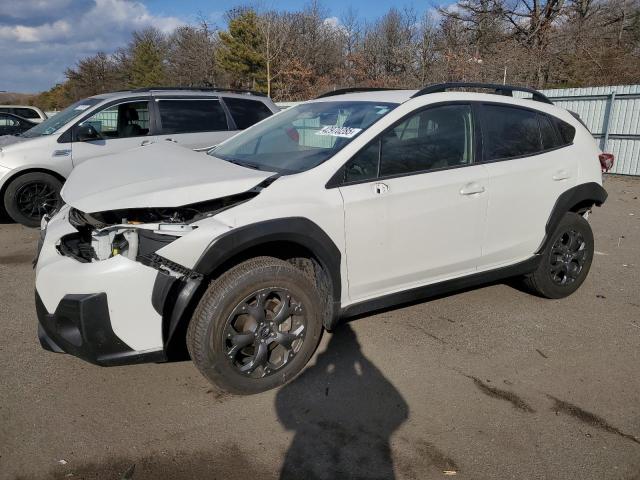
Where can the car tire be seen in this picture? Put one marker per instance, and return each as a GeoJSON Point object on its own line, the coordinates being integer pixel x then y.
{"type": "Point", "coordinates": [566, 259]}
{"type": "Point", "coordinates": [29, 196]}
{"type": "Point", "coordinates": [242, 340]}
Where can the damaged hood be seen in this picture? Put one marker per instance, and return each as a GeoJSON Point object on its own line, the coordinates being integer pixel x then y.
{"type": "Point", "coordinates": [157, 175]}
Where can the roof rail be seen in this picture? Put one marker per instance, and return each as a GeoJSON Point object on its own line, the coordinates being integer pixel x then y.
{"type": "Point", "coordinates": [497, 89]}
{"type": "Point", "coordinates": [200, 89]}
{"type": "Point", "coordinates": [342, 91]}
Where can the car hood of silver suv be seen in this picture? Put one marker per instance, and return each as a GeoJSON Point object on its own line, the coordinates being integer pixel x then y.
{"type": "Point", "coordinates": [155, 176]}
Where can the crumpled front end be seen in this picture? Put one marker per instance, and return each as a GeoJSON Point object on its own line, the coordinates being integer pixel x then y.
{"type": "Point", "coordinates": [101, 289]}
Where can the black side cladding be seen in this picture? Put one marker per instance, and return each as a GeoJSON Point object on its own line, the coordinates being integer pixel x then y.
{"type": "Point", "coordinates": [297, 230]}
{"type": "Point", "coordinates": [585, 194]}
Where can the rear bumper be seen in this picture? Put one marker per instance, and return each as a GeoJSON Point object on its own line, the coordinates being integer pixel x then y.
{"type": "Point", "coordinates": [81, 326]}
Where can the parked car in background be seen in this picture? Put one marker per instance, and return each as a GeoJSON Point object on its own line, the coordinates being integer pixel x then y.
{"type": "Point", "coordinates": [33, 114]}
{"type": "Point", "coordinates": [352, 202]}
{"type": "Point", "coordinates": [33, 171]}
{"type": "Point", "coordinates": [11, 124]}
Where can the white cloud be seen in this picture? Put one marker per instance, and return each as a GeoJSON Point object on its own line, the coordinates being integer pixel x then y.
{"type": "Point", "coordinates": [40, 39]}
{"type": "Point", "coordinates": [334, 23]}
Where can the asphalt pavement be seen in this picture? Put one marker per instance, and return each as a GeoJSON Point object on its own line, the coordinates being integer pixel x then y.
{"type": "Point", "coordinates": [490, 383]}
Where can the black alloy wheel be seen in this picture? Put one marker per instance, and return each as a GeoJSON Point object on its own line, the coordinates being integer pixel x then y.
{"type": "Point", "coordinates": [566, 259]}
{"type": "Point", "coordinates": [256, 326]}
{"type": "Point", "coordinates": [264, 332]}
{"type": "Point", "coordinates": [36, 199]}
{"type": "Point", "coordinates": [30, 196]}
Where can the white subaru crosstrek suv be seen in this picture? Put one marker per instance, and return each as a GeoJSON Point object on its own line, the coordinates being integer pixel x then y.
{"type": "Point", "coordinates": [33, 169]}
{"type": "Point", "coordinates": [352, 202]}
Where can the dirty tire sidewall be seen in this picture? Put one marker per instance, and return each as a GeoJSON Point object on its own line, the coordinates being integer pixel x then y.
{"type": "Point", "coordinates": [10, 199]}
{"type": "Point", "coordinates": [205, 333]}
{"type": "Point", "coordinates": [540, 281]}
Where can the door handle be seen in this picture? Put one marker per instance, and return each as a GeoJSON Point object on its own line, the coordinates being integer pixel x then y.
{"type": "Point", "coordinates": [561, 175]}
{"type": "Point", "coordinates": [471, 189]}
{"type": "Point", "coordinates": [380, 188]}
{"type": "Point", "coordinates": [145, 142]}
{"type": "Point", "coordinates": [171, 140]}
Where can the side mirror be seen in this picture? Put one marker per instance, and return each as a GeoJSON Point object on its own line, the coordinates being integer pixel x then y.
{"type": "Point", "coordinates": [86, 133]}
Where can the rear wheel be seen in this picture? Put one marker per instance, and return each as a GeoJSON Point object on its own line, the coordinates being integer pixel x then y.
{"type": "Point", "coordinates": [566, 260]}
{"type": "Point", "coordinates": [256, 326]}
{"type": "Point", "coordinates": [32, 195]}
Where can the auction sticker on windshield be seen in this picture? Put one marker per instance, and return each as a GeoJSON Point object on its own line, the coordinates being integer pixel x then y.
{"type": "Point", "coordinates": [344, 132]}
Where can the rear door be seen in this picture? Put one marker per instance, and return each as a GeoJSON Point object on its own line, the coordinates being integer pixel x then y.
{"type": "Point", "coordinates": [528, 170]}
{"type": "Point", "coordinates": [122, 126]}
{"type": "Point", "coordinates": [415, 204]}
{"type": "Point", "coordinates": [199, 123]}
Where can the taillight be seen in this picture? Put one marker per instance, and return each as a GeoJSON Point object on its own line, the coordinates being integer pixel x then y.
{"type": "Point", "coordinates": [606, 161]}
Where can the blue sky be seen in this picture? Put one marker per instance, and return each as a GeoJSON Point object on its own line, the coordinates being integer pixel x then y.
{"type": "Point", "coordinates": [366, 9]}
{"type": "Point", "coordinates": [40, 39]}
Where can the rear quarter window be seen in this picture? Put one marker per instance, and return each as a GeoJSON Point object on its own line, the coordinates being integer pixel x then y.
{"type": "Point", "coordinates": [26, 113]}
{"type": "Point", "coordinates": [567, 132]}
{"type": "Point", "coordinates": [247, 112]}
{"type": "Point", "coordinates": [548, 134]}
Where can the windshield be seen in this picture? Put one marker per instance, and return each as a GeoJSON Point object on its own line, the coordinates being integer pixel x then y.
{"type": "Point", "coordinates": [301, 137]}
{"type": "Point", "coordinates": [59, 120]}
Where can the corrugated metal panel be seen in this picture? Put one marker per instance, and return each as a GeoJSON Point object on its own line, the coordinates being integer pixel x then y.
{"type": "Point", "coordinates": [597, 110]}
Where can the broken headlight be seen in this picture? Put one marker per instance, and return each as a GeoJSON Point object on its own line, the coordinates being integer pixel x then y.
{"type": "Point", "coordinates": [138, 237]}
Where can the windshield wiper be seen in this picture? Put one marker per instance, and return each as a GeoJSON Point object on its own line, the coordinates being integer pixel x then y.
{"type": "Point", "coordinates": [254, 166]}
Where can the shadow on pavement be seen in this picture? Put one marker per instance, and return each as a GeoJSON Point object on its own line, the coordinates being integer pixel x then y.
{"type": "Point", "coordinates": [343, 412]}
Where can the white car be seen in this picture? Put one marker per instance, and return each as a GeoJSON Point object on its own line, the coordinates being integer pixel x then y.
{"type": "Point", "coordinates": [31, 113]}
{"type": "Point", "coordinates": [342, 205]}
{"type": "Point", "coordinates": [32, 171]}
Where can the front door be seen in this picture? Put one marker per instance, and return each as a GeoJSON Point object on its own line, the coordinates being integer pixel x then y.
{"type": "Point", "coordinates": [121, 127]}
{"type": "Point", "coordinates": [415, 204]}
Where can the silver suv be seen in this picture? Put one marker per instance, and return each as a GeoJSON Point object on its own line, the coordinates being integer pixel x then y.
{"type": "Point", "coordinates": [32, 171]}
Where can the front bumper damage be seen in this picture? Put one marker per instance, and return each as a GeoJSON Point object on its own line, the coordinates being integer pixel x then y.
{"type": "Point", "coordinates": [107, 312]}
{"type": "Point", "coordinates": [81, 326]}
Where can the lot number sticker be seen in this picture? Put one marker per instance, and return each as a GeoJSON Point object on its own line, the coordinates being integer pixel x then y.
{"type": "Point", "coordinates": [344, 132]}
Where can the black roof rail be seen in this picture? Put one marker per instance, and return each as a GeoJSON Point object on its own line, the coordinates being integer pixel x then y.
{"type": "Point", "coordinates": [342, 91]}
{"type": "Point", "coordinates": [497, 89]}
{"type": "Point", "coordinates": [200, 89]}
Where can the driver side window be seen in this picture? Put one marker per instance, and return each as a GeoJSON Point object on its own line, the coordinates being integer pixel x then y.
{"type": "Point", "coordinates": [431, 139]}
{"type": "Point", "coordinates": [124, 120]}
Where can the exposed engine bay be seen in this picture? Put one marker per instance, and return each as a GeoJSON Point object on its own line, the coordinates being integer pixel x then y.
{"type": "Point", "coordinates": [137, 233]}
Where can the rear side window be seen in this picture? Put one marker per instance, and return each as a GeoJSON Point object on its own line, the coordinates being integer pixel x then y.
{"type": "Point", "coordinates": [247, 112]}
{"type": "Point", "coordinates": [26, 113]}
{"type": "Point", "coordinates": [189, 116]}
{"type": "Point", "coordinates": [567, 132]}
{"type": "Point", "coordinates": [509, 132]}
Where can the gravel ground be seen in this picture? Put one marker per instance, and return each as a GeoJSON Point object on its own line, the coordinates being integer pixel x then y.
{"type": "Point", "coordinates": [488, 383]}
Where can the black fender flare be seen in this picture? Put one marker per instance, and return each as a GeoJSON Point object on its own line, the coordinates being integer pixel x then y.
{"type": "Point", "coordinates": [298, 230]}
{"type": "Point", "coordinates": [586, 193]}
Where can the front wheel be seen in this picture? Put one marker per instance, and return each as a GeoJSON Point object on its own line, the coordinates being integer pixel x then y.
{"type": "Point", "coordinates": [566, 260]}
{"type": "Point", "coordinates": [32, 195]}
{"type": "Point", "coordinates": [256, 326]}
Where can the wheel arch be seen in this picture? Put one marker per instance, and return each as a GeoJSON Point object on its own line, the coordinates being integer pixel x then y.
{"type": "Point", "coordinates": [294, 239]}
{"type": "Point", "coordinates": [577, 199]}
